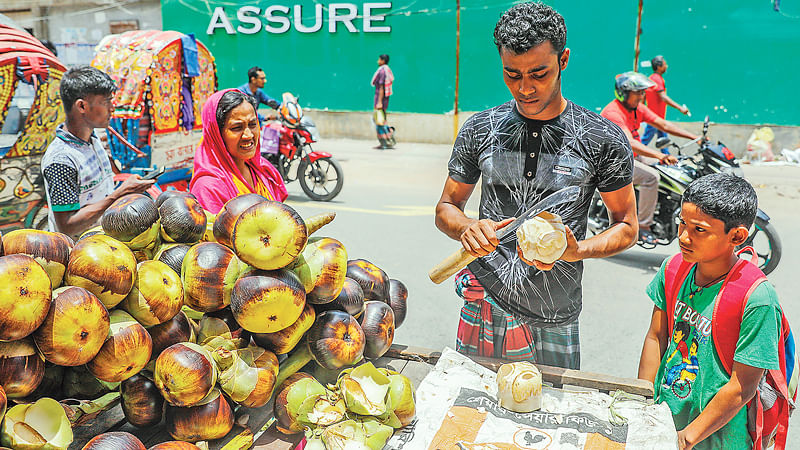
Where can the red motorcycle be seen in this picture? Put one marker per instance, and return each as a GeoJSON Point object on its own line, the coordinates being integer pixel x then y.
{"type": "Point", "coordinates": [287, 145]}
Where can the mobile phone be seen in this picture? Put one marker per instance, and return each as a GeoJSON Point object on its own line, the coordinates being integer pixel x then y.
{"type": "Point", "coordinates": [154, 174]}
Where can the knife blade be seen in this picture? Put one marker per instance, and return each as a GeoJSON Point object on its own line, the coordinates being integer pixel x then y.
{"type": "Point", "coordinates": [565, 195]}
{"type": "Point", "coordinates": [461, 258]}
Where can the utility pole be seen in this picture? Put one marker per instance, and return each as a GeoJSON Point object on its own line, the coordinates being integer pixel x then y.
{"type": "Point", "coordinates": [638, 34]}
{"type": "Point", "coordinates": [458, 56]}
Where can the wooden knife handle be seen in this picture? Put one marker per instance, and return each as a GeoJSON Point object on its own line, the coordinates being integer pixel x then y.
{"type": "Point", "coordinates": [450, 266]}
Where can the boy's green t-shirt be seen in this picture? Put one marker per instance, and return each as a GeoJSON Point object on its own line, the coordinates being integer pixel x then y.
{"type": "Point", "coordinates": [690, 373]}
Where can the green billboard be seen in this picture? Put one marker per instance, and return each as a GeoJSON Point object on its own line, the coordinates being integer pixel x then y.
{"type": "Point", "coordinates": [731, 59]}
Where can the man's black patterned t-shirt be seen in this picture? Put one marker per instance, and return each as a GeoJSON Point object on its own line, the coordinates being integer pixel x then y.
{"type": "Point", "coordinates": [520, 161]}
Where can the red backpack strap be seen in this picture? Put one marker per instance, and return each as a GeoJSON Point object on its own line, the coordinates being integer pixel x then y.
{"type": "Point", "coordinates": [726, 322]}
{"type": "Point", "coordinates": [675, 274]}
{"type": "Point", "coordinates": [779, 382]}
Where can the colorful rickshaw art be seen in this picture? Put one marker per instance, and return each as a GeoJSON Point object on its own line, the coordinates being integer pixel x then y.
{"type": "Point", "coordinates": [163, 79]}
{"type": "Point", "coordinates": [30, 111]}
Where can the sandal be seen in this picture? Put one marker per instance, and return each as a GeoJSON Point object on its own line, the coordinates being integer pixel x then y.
{"type": "Point", "coordinates": [647, 237]}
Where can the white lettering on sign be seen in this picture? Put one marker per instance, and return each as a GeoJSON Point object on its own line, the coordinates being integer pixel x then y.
{"type": "Point", "coordinates": [279, 19]}
{"type": "Point", "coordinates": [219, 20]}
{"type": "Point", "coordinates": [369, 18]}
{"type": "Point", "coordinates": [346, 19]}
{"type": "Point", "coordinates": [283, 21]}
{"type": "Point", "coordinates": [298, 19]}
{"type": "Point", "coordinates": [245, 18]}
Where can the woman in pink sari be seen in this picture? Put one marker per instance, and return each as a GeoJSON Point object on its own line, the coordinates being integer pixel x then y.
{"type": "Point", "coordinates": [228, 161]}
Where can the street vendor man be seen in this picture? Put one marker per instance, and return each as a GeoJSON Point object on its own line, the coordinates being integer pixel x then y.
{"type": "Point", "coordinates": [78, 172]}
{"type": "Point", "coordinates": [523, 150]}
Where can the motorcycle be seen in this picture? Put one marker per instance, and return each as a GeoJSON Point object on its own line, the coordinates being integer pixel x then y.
{"type": "Point", "coordinates": [287, 146]}
{"type": "Point", "coordinates": [710, 158]}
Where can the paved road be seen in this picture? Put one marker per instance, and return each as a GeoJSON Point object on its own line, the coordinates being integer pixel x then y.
{"type": "Point", "coordinates": [385, 215]}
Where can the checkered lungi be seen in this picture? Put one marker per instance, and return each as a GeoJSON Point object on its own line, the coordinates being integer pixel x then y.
{"type": "Point", "coordinates": [486, 330]}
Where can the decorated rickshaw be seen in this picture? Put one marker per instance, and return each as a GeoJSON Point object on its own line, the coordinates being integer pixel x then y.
{"type": "Point", "coordinates": [30, 111]}
{"type": "Point", "coordinates": [163, 79]}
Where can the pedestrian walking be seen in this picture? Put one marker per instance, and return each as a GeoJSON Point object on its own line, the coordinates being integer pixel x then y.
{"type": "Point", "coordinates": [382, 80]}
{"type": "Point", "coordinates": [656, 99]}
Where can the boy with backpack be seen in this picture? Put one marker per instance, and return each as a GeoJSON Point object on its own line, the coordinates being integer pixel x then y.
{"type": "Point", "coordinates": [718, 340]}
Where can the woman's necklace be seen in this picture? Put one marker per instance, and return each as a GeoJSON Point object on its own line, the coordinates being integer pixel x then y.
{"type": "Point", "coordinates": [699, 289]}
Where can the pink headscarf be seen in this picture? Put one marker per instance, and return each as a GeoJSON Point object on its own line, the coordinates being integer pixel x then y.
{"type": "Point", "coordinates": [212, 182]}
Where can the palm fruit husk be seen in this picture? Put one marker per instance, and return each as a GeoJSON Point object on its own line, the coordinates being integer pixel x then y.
{"type": "Point", "coordinates": [246, 375]}
{"type": "Point", "coordinates": [40, 425]}
{"type": "Point", "coordinates": [365, 390]}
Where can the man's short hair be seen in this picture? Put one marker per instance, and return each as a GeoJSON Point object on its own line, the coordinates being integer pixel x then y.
{"type": "Point", "coordinates": [81, 81]}
{"type": "Point", "coordinates": [385, 58]}
{"type": "Point", "coordinates": [724, 197]}
{"type": "Point", "coordinates": [253, 72]}
{"type": "Point", "coordinates": [657, 62]}
{"type": "Point", "coordinates": [527, 25]}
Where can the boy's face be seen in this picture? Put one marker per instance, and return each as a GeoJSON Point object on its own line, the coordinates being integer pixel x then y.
{"type": "Point", "coordinates": [97, 109]}
{"type": "Point", "coordinates": [702, 238]}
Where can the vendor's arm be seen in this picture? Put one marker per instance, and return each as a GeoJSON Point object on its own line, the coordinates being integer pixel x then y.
{"type": "Point", "coordinates": [622, 233]}
{"type": "Point", "coordinates": [64, 193]}
{"type": "Point", "coordinates": [682, 108]}
{"type": "Point", "coordinates": [655, 344]}
{"type": "Point", "coordinates": [477, 236]}
{"type": "Point", "coordinates": [671, 128]}
{"type": "Point", "coordinates": [723, 406]}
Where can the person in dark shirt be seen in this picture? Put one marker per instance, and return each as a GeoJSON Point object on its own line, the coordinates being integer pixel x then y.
{"type": "Point", "coordinates": [522, 151]}
{"type": "Point", "coordinates": [255, 88]}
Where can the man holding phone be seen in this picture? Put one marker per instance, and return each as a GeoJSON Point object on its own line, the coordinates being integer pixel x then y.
{"type": "Point", "coordinates": [78, 175]}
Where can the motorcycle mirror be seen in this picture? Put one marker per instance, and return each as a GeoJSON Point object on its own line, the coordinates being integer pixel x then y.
{"type": "Point", "coordinates": [663, 142]}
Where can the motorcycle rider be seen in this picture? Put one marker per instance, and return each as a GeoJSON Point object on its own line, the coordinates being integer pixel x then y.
{"type": "Point", "coordinates": [628, 111]}
{"type": "Point", "coordinates": [255, 87]}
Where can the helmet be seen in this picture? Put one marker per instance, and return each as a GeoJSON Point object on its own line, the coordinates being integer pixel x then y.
{"type": "Point", "coordinates": [291, 113]}
{"type": "Point", "coordinates": [629, 82]}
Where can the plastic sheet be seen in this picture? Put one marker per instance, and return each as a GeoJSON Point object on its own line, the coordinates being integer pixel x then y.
{"type": "Point", "coordinates": [457, 409]}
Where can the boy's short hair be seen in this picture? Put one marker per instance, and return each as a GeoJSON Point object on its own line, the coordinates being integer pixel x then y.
{"type": "Point", "coordinates": [384, 57]}
{"type": "Point", "coordinates": [527, 25]}
{"type": "Point", "coordinates": [724, 197]}
{"type": "Point", "coordinates": [81, 81]}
